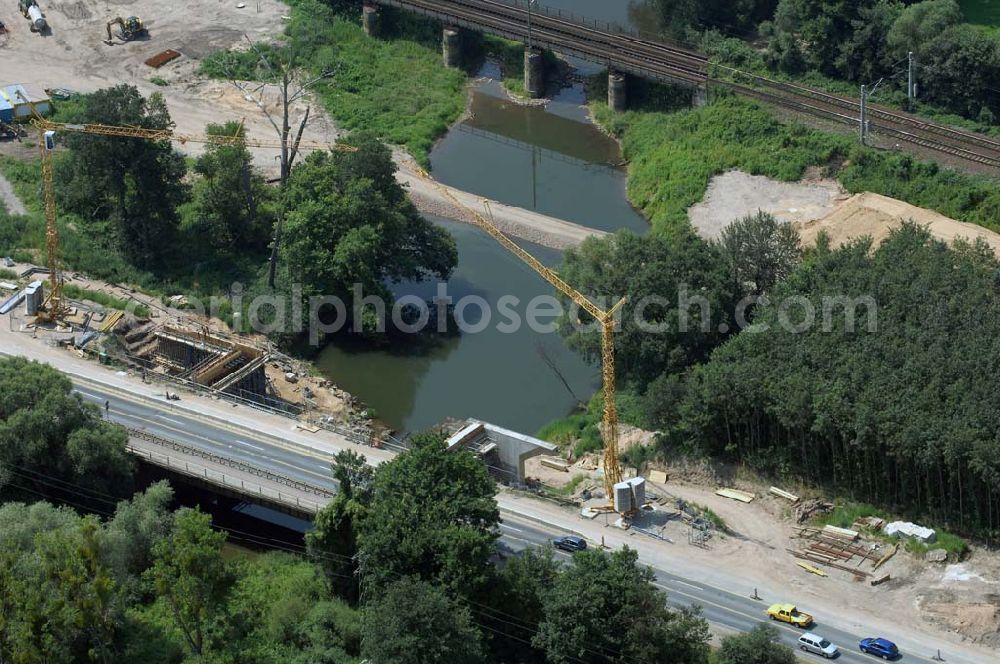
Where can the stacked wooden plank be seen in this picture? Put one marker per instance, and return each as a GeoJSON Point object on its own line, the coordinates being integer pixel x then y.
{"type": "Point", "coordinates": [784, 494]}
{"type": "Point", "coordinates": [840, 533]}
{"type": "Point", "coordinates": [829, 561]}
{"type": "Point", "coordinates": [735, 494]}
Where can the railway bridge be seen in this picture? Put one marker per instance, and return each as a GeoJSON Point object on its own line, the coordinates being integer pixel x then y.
{"type": "Point", "coordinates": [543, 28]}
{"type": "Point", "coordinates": [625, 53]}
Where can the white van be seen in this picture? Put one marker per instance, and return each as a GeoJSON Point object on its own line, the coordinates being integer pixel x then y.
{"type": "Point", "coordinates": [815, 643]}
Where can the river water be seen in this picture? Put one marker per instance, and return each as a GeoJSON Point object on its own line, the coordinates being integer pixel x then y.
{"type": "Point", "coordinates": [551, 160]}
{"type": "Point", "coordinates": [634, 14]}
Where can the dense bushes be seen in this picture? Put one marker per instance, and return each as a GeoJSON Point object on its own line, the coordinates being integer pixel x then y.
{"type": "Point", "coordinates": [674, 155]}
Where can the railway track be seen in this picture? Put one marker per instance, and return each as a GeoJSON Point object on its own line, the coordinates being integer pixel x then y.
{"type": "Point", "coordinates": [632, 54]}
{"type": "Point", "coordinates": [904, 127]}
{"type": "Point", "coordinates": [563, 35]}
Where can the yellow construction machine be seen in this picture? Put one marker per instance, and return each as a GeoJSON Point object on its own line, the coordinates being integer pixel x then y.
{"type": "Point", "coordinates": [129, 28]}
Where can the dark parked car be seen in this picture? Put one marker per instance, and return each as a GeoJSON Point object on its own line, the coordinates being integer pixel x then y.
{"type": "Point", "coordinates": [879, 647]}
{"type": "Point", "coordinates": [570, 543]}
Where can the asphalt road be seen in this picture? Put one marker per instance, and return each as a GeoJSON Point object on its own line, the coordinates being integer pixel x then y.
{"type": "Point", "coordinates": [721, 608]}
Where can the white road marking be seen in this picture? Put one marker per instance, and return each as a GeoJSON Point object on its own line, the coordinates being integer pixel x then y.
{"type": "Point", "coordinates": [511, 528]}
{"type": "Point", "coordinates": [240, 442]}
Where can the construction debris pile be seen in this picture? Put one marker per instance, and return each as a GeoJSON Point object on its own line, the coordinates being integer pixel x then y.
{"type": "Point", "coordinates": [841, 549]}
{"type": "Point", "coordinates": [807, 509]}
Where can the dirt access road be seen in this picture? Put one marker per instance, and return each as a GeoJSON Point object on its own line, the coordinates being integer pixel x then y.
{"type": "Point", "coordinates": [74, 56]}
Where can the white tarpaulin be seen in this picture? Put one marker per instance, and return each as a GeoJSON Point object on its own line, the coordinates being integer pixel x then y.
{"type": "Point", "coordinates": [907, 529]}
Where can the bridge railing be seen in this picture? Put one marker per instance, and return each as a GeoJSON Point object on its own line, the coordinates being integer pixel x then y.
{"type": "Point", "coordinates": [250, 489]}
{"type": "Point", "coordinates": [213, 475]}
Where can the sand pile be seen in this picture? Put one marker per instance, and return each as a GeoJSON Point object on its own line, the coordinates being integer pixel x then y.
{"type": "Point", "coordinates": [877, 216]}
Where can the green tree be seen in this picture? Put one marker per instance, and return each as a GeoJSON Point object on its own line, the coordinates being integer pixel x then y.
{"type": "Point", "coordinates": [514, 607]}
{"type": "Point", "coordinates": [681, 18]}
{"type": "Point", "coordinates": [136, 527]}
{"type": "Point", "coordinates": [59, 602]}
{"type": "Point", "coordinates": [433, 515]}
{"type": "Point", "coordinates": [51, 443]}
{"type": "Point", "coordinates": [333, 540]}
{"type": "Point", "coordinates": [655, 273]}
{"type": "Point", "coordinates": [279, 610]}
{"type": "Point", "coordinates": [758, 646]}
{"type": "Point", "coordinates": [412, 622]}
{"type": "Point", "coordinates": [958, 66]}
{"type": "Point", "coordinates": [232, 203]}
{"type": "Point", "coordinates": [127, 188]}
{"type": "Point", "coordinates": [191, 577]}
{"type": "Point", "coordinates": [606, 608]}
{"type": "Point", "coordinates": [865, 398]}
{"type": "Point", "coordinates": [760, 251]}
{"type": "Point", "coordinates": [864, 56]}
{"type": "Point", "coordinates": [349, 222]}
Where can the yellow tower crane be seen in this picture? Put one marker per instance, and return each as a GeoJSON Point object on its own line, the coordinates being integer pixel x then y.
{"type": "Point", "coordinates": [55, 309]}
{"type": "Point", "coordinates": [46, 134]}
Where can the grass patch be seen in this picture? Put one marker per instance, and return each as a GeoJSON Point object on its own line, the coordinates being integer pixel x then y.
{"type": "Point", "coordinates": [844, 515]}
{"type": "Point", "coordinates": [975, 199]}
{"type": "Point", "coordinates": [579, 427]}
{"type": "Point", "coordinates": [984, 14]}
{"type": "Point", "coordinates": [953, 544]}
{"type": "Point", "coordinates": [717, 521]}
{"type": "Point", "coordinates": [109, 301]}
{"type": "Point", "coordinates": [570, 487]}
{"type": "Point", "coordinates": [9, 275]}
{"type": "Point", "coordinates": [583, 426]}
{"type": "Point", "coordinates": [673, 155]}
{"type": "Point", "coordinates": [159, 80]}
{"type": "Point", "coordinates": [394, 86]}
{"type": "Point", "coordinates": [510, 54]}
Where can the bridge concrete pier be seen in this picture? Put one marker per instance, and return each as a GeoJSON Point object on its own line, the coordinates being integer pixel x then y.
{"type": "Point", "coordinates": [617, 97]}
{"type": "Point", "coordinates": [534, 72]}
{"type": "Point", "coordinates": [451, 47]}
{"type": "Point", "coordinates": [700, 97]}
{"type": "Point", "coordinates": [370, 19]}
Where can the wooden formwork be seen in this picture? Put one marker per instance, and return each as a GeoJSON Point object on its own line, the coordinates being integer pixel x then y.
{"type": "Point", "coordinates": [835, 552]}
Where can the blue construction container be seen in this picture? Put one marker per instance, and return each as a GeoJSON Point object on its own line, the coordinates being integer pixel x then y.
{"type": "Point", "coordinates": [6, 111]}
{"type": "Point", "coordinates": [18, 97]}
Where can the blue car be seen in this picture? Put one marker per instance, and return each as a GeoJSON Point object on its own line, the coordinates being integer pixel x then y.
{"type": "Point", "coordinates": [879, 647]}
